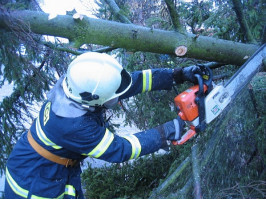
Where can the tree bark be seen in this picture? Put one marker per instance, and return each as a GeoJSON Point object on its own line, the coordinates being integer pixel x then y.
{"type": "Point", "coordinates": [174, 16]}
{"type": "Point", "coordinates": [196, 172]}
{"type": "Point", "coordinates": [116, 11]}
{"type": "Point", "coordinates": [128, 36]}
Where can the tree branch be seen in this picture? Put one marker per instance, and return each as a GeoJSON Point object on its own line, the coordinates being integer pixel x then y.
{"type": "Point", "coordinates": [196, 172]}
{"type": "Point", "coordinates": [221, 76]}
{"type": "Point", "coordinates": [174, 16]}
{"type": "Point", "coordinates": [117, 12]}
{"type": "Point", "coordinates": [74, 51]}
{"type": "Point", "coordinates": [242, 21]}
{"type": "Point", "coordinates": [171, 179]}
{"type": "Point", "coordinates": [182, 193]}
{"type": "Point", "coordinates": [104, 49]}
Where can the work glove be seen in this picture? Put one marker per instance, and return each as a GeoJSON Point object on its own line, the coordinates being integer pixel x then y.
{"type": "Point", "coordinates": [171, 130]}
{"type": "Point", "coordinates": [186, 74]}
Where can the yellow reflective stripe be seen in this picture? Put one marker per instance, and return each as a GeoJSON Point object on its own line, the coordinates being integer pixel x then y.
{"type": "Point", "coordinates": [136, 147]}
{"type": "Point", "coordinates": [150, 80]}
{"type": "Point", "coordinates": [43, 137]}
{"type": "Point", "coordinates": [144, 81]}
{"type": "Point", "coordinates": [103, 145]}
{"type": "Point", "coordinates": [46, 113]}
{"type": "Point", "coordinates": [70, 190]}
{"type": "Point", "coordinates": [15, 187]}
{"type": "Point", "coordinates": [38, 197]}
{"type": "Point", "coordinates": [61, 196]}
{"type": "Point", "coordinates": [147, 80]}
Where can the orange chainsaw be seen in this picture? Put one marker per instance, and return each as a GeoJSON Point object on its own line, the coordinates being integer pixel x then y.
{"type": "Point", "coordinates": [202, 103]}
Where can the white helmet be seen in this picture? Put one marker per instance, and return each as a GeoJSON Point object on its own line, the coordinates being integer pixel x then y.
{"type": "Point", "coordinates": [92, 79]}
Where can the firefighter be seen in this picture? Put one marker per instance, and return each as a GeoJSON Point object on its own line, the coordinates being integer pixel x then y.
{"type": "Point", "coordinates": [45, 162]}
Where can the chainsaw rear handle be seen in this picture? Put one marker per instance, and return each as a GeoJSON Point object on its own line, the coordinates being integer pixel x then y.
{"type": "Point", "coordinates": [201, 105]}
{"type": "Point", "coordinates": [207, 76]}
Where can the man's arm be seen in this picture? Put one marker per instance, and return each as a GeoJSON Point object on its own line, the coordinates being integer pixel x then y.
{"type": "Point", "coordinates": [98, 142]}
{"type": "Point", "coordinates": [150, 80]}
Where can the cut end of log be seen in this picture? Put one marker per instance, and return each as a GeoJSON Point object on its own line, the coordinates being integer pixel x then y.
{"type": "Point", "coordinates": [181, 50]}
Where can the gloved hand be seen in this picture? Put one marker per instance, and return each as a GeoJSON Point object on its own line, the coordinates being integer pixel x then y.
{"type": "Point", "coordinates": [186, 74]}
{"type": "Point", "coordinates": [172, 130]}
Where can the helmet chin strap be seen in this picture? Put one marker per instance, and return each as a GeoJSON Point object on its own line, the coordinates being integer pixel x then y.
{"type": "Point", "coordinates": [90, 108]}
{"type": "Point", "coordinates": [94, 108]}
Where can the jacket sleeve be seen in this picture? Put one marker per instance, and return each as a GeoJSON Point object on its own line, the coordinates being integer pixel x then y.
{"type": "Point", "coordinates": [98, 142]}
{"type": "Point", "coordinates": [150, 80]}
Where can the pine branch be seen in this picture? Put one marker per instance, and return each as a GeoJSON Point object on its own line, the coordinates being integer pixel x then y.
{"type": "Point", "coordinates": [117, 12]}
{"type": "Point", "coordinates": [104, 49]}
{"type": "Point", "coordinates": [182, 193]}
{"type": "Point", "coordinates": [174, 16]}
{"type": "Point", "coordinates": [213, 65]}
{"type": "Point", "coordinates": [67, 49]}
{"type": "Point", "coordinates": [221, 76]}
{"type": "Point", "coordinates": [171, 179]}
{"type": "Point", "coordinates": [196, 172]}
{"type": "Point", "coordinates": [70, 49]}
{"type": "Point", "coordinates": [238, 8]}
{"type": "Point", "coordinates": [14, 111]}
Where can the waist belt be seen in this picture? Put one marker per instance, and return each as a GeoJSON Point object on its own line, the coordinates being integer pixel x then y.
{"type": "Point", "coordinates": [48, 155]}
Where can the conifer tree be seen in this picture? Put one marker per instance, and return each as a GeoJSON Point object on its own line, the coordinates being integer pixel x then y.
{"type": "Point", "coordinates": [32, 64]}
{"type": "Point", "coordinates": [31, 68]}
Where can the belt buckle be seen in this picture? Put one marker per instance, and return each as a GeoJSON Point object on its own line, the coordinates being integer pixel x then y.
{"type": "Point", "coordinates": [68, 163]}
{"type": "Point", "coordinates": [71, 163]}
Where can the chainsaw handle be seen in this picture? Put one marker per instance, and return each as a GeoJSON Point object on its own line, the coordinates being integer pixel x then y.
{"type": "Point", "coordinates": [189, 134]}
{"type": "Point", "coordinates": [207, 72]}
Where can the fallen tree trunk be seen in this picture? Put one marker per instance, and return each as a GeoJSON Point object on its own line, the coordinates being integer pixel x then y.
{"type": "Point", "coordinates": [128, 36]}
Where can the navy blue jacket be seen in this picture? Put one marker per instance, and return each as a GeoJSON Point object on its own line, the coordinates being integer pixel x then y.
{"type": "Point", "coordinates": [29, 175]}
